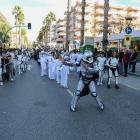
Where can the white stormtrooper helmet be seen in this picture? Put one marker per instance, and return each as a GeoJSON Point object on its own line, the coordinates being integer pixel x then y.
{"type": "Point", "coordinates": [88, 57]}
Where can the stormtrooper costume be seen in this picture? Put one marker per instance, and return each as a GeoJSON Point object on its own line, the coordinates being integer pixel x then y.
{"type": "Point", "coordinates": [79, 57]}
{"type": "Point", "coordinates": [58, 74]}
{"type": "Point", "coordinates": [114, 63]}
{"type": "Point", "coordinates": [24, 60]}
{"type": "Point", "coordinates": [101, 63]}
{"type": "Point", "coordinates": [86, 83]}
{"type": "Point", "coordinates": [72, 59]}
{"type": "Point", "coordinates": [19, 63]}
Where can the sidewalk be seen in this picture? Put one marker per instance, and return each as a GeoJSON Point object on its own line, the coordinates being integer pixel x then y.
{"type": "Point", "coordinates": [137, 71]}
{"type": "Point", "coordinates": [130, 81]}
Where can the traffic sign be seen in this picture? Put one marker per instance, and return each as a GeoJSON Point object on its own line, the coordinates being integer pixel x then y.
{"type": "Point", "coordinates": [128, 30]}
{"type": "Point", "coordinates": [127, 40]}
{"type": "Point", "coordinates": [0, 39]}
{"type": "Point", "coordinates": [74, 42]}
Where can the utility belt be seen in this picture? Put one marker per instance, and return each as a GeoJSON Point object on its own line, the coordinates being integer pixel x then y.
{"type": "Point", "coordinates": [113, 69]}
{"type": "Point", "coordinates": [87, 78]}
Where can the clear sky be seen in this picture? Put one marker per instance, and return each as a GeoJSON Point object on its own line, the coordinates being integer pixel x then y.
{"type": "Point", "coordinates": [36, 10]}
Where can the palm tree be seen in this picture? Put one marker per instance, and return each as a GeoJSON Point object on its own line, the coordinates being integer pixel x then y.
{"type": "Point", "coordinates": [16, 11]}
{"type": "Point", "coordinates": [25, 41]}
{"type": "Point", "coordinates": [51, 18]}
{"type": "Point", "coordinates": [105, 29]}
{"type": "Point", "coordinates": [23, 33]}
{"type": "Point", "coordinates": [67, 27]}
{"type": "Point", "coordinates": [47, 23]}
{"type": "Point", "coordinates": [83, 22]}
{"type": "Point", "coordinates": [20, 22]}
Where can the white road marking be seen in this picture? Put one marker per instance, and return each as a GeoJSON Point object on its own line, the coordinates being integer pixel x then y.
{"type": "Point", "coordinates": [69, 92]}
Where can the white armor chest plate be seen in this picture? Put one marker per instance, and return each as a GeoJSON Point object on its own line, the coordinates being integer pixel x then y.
{"type": "Point", "coordinates": [101, 62]}
{"type": "Point", "coordinates": [114, 62]}
{"type": "Point", "coordinates": [19, 57]}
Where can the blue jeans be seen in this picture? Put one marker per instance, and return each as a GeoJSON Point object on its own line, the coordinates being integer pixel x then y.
{"type": "Point", "coordinates": [120, 68]}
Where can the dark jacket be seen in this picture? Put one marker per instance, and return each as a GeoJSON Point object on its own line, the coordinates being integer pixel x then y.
{"type": "Point", "coordinates": [133, 58]}
{"type": "Point", "coordinates": [121, 55]}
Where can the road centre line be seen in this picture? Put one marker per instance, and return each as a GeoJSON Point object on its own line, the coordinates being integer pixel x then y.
{"type": "Point", "coordinates": [69, 92]}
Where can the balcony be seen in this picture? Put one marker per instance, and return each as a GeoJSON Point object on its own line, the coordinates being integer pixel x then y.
{"type": "Point", "coordinates": [88, 10]}
{"type": "Point", "coordinates": [134, 14]}
{"type": "Point", "coordinates": [87, 18]}
{"type": "Point", "coordinates": [60, 39]}
{"type": "Point", "coordinates": [99, 19]}
{"type": "Point", "coordinates": [112, 12]}
{"type": "Point", "coordinates": [60, 34]}
{"type": "Point", "coordinates": [60, 29]}
{"type": "Point", "coordinates": [100, 12]}
{"type": "Point", "coordinates": [59, 24]}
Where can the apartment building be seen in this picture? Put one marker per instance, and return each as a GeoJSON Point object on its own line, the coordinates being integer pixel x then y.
{"type": "Point", "coordinates": [58, 32]}
{"type": "Point", "coordinates": [94, 18]}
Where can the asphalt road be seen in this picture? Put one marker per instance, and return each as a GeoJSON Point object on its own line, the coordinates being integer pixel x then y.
{"type": "Point", "coordinates": [36, 108]}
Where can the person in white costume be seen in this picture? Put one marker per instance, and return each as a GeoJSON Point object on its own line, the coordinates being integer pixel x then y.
{"type": "Point", "coordinates": [113, 63]}
{"type": "Point", "coordinates": [64, 75]}
{"type": "Point", "coordinates": [19, 62]}
{"type": "Point", "coordinates": [58, 74]}
{"type": "Point", "coordinates": [79, 57]}
{"type": "Point", "coordinates": [101, 64]}
{"type": "Point", "coordinates": [43, 62]}
{"type": "Point", "coordinates": [72, 59]}
{"type": "Point", "coordinates": [54, 67]}
{"type": "Point", "coordinates": [24, 60]}
{"type": "Point", "coordinates": [50, 60]}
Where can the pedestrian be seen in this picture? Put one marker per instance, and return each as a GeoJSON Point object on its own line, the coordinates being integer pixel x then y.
{"type": "Point", "coordinates": [19, 62]}
{"type": "Point", "coordinates": [43, 61]}
{"type": "Point", "coordinates": [101, 64]}
{"type": "Point", "coordinates": [121, 55]}
{"type": "Point", "coordinates": [11, 64]}
{"type": "Point", "coordinates": [112, 63]}
{"type": "Point", "coordinates": [133, 60]}
{"type": "Point", "coordinates": [95, 53]}
{"type": "Point", "coordinates": [72, 59]}
{"type": "Point", "coordinates": [126, 62]}
{"type": "Point", "coordinates": [79, 57]}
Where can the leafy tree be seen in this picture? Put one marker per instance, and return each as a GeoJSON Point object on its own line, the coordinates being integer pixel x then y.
{"type": "Point", "coordinates": [4, 28]}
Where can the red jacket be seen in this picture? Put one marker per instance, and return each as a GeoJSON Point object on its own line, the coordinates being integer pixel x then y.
{"type": "Point", "coordinates": [126, 58]}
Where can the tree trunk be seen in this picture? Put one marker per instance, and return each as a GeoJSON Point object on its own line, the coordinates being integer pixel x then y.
{"type": "Point", "coordinates": [16, 31]}
{"type": "Point", "coordinates": [19, 35]}
{"type": "Point", "coordinates": [105, 30]}
{"type": "Point", "coordinates": [67, 27]}
{"type": "Point", "coordinates": [82, 22]}
{"type": "Point", "coordinates": [46, 34]}
{"type": "Point", "coordinates": [50, 30]}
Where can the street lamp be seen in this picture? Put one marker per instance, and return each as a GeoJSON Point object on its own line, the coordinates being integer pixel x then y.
{"type": "Point", "coordinates": [129, 20]}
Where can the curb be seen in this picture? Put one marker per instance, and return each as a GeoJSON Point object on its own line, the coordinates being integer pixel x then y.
{"type": "Point", "coordinates": [134, 74]}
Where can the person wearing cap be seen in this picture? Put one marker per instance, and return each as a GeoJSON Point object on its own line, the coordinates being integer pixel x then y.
{"type": "Point", "coordinates": [101, 64]}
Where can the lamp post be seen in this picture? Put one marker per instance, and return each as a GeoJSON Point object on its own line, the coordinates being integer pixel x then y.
{"type": "Point", "coordinates": [129, 20]}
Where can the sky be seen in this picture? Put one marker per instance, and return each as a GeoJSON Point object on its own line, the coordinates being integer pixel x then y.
{"type": "Point", "coordinates": [35, 11]}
